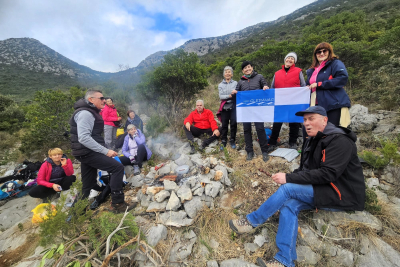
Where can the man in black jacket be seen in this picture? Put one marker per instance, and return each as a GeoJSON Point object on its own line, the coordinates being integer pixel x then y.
{"type": "Point", "coordinates": [330, 177]}
{"type": "Point", "coordinates": [251, 80]}
{"type": "Point", "coordinates": [88, 146]}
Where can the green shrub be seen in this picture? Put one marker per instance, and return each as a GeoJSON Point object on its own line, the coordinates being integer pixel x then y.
{"type": "Point", "coordinates": [374, 159]}
{"type": "Point", "coordinates": [156, 125]}
{"type": "Point", "coordinates": [371, 201]}
{"type": "Point", "coordinates": [386, 154]}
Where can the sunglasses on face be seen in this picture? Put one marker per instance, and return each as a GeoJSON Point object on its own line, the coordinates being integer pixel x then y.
{"type": "Point", "coordinates": [322, 51]}
{"type": "Point", "coordinates": [101, 98]}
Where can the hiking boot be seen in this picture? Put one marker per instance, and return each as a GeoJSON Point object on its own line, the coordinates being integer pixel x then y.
{"type": "Point", "coordinates": [250, 155]}
{"type": "Point", "coordinates": [265, 156]}
{"type": "Point", "coordinates": [192, 150]}
{"type": "Point", "coordinates": [233, 145]}
{"type": "Point", "coordinates": [94, 205]}
{"type": "Point", "coordinates": [241, 226]}
{"type": "Point", "coordinates": [271, 148]}
{"type": "Point", "coordinates": [270, 263]}
{"type": "Point", "coordinates": [293, 146]}
{"type": "Point", "coordinates": [136, 170]}
{"type": "Point", "coordinates": [121, 207]}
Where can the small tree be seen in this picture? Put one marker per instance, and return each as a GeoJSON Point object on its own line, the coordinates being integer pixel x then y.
{"type": "Point", "coordinates": [47, 119]}
{"type": "Point", "coordinates": [179, 77]}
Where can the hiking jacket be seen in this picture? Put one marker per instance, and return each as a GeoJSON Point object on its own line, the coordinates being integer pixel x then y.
{"type": "Point", "coordinates": [44, 173]}
{"type": "Point", "coordinates": [92, 137]}
{"type": "Point", "coordinates": [109, 115]}
{"type": "Point", "coordinates": [331, 80]}
{"type": "Point", "coordinates": [140, 140]}
{"type": "Point", "coordinates": [292, 78]}
{"type": "Point", "coordinates": [205, 120]}
{"type": "Point", "coordinates": [137, 121]}
{"type": "Point", "coordinates": [255, 82]}
{"type": "Point", "coordinates": [329, 162]}
{"type": "Point", "coordinates": [225, 89]}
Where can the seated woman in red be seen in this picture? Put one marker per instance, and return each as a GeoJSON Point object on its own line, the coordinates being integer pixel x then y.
{"type": "Point", "coordinates": [55, 174]}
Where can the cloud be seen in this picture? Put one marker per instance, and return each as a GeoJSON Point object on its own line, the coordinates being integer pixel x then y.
{"type": "Point", "coordinates": [103, 34]}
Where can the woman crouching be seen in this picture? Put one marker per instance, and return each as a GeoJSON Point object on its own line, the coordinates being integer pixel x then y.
{"type": "Point", "coordinates": [55, 174]}
{"type": "Point", "coordinates": [134, 149]}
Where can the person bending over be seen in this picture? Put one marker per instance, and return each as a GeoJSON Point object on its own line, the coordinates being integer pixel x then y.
{"type": "Point", "coordinates": [134, 149]}
{"type": "Point", "coordinates": [201, 121]}
{"type": "Point", "coordinates": [55, 174]}
{"type": "Point", "coordinates": [330, 176]}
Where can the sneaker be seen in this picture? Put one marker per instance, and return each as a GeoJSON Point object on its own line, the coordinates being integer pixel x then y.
{"type": "Point", "coordinates": [293, 146]}
{"type": "Point", "coordinates": [265, 156]}
{"type": "Point", "coordinates": [121, 207]}
{"type": "Point", "coordinates": [233, 145]}
{"type": "Point", "coordinates": [94, 205]}
{"type": "Point", "coordinates": [192, 150]}
{"type": "Point", "coordinates": [241, 226]}
{"type": "Point", "coordinates": [270, 263]}
{"type": "Point", "coordinates": [250, 155]}
{"type": "Point", "coordinates": [271, 148]}
{"type": "Point", "coordinates": [136, 170]}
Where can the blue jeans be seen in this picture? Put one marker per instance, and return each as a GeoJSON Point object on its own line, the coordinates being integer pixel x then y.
{"type": "Point", "coordinates": [289, 199]}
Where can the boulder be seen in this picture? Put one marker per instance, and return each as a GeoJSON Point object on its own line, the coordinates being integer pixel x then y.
{"type": "Point", "coordinates": [225, 180]}
{"type": "Point", "coordinates": [372, 182]}
{"type": "Point", "coordinates": [177, 219]}
{"type": "Point", "coordinates": [196, 159]}
{"type": "Point", "coordinates": [184, 160]}
{"type": "Point", "coordinates": [162, 195]}
{"type": "Point", "coordinates": [377, 253]}
{"type": "Point", "coordinates": [173, 202]}
{"type": "Point", "coordinates": [157, 207]}
{"type": "Point", "coordinates": [184, 193]}
{"type": "Point", "coordinates": [170, 185]}
{"type": "Point", "coordinates": [341, 217]}
{"type": "Point", "coordinates": [136, 181]}
{"type": "Point", "coordinates": [212, 189]}
{"type": "Point", "coordinates": [193, 206]}
{"type": "Point", "coordinates": [236, 263]}
{"type": "Point", "coordinates": [306, 255]}
{"type": "Point", "coordinates": [156, 234]}
{"type": "Point", "coordinates": [361, 121]}
{"type": "Point", "coordinates": [212, 264]}
{"type": "Point", "coordinates": [199, 191]}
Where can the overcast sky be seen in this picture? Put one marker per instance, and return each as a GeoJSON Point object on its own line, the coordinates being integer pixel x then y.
{"type": "Point", "coordinates": [101, 34]}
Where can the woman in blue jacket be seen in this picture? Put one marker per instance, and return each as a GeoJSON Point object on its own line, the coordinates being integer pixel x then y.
{"type": "Point", "coordinates": [326, 78]}
{"type": "Point", "coordinates": [134, 149]}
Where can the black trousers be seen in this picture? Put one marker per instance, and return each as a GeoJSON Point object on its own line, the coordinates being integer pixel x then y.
{"type": "Point", "coordinates": [262, 136]}
{"type": "Point", "coordinates": [197, 132]}
{"type": "Point", "coordinates": [139, 158]}
{"type": "Point", "coordinates": [293, 132]}
{"type": "Point", "coordinates": [226, 117]}
{"type": "Point", "coordinates": [41, 191]}
{"type": "Point", "coordinates": [93, 161]}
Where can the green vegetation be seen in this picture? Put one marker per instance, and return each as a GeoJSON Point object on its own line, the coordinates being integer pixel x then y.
{"type": "Point", "coordinates": [371, 201]}
{"type": "Point", "coordinates": [176, 81]}
{"type": "Point", "coordinates": [156, 125]}
{"type": "Point", "coordinates": [11, 115]}
{"type": "Point", "coordinates": [386, 154]}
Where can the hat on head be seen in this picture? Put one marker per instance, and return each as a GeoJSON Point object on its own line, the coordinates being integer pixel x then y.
{"type": "Point", "coordinates": [245, 63]}
{"type": "Point", "coordinates": [293, 55]}
{"type": "Point", "coordinates": [314, 109]}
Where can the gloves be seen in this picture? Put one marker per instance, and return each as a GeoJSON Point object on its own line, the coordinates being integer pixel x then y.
{"type": "Point", "coordinates": [132, 159]}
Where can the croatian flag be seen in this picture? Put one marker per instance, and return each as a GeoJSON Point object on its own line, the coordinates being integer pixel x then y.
{"type": "Point", "coordinates": [272, 105]}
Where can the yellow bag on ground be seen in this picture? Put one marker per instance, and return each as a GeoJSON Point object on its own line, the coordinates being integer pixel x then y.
{"type": "Point", "coordinates": [120, 131]}
{"type": "Point", "coordinates": [40, 212]}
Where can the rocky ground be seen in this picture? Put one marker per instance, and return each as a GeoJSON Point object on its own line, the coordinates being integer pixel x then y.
{"type": "Point", "coordinates": [184, 218]}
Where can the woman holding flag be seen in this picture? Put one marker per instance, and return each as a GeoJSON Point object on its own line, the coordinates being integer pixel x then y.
{"type": "Point", "coordinates": [288, 76]}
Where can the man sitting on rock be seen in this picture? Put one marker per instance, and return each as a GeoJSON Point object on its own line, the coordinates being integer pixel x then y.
{"type": "Point", "coordinates": [330, 177]}
{"type": "Point", "coordinates": [201, 121]}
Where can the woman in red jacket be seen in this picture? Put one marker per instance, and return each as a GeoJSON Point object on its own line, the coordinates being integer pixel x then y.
{"type": "Point", "coordinates": [55, 174]}
{"type": "Point", "coordinates": [111, 123]}
{"type": "Point", "coordinates": [288, 76]}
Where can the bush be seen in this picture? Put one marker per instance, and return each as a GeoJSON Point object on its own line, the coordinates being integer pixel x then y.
{"type": "Point", "coordinates": [386, 154]}
{"type": "Point", "coordinates": [371, 201]}
{"type": "Point", "coordinates": [156, 125]}
{"type": "Point", "coordinates": [11, 115]}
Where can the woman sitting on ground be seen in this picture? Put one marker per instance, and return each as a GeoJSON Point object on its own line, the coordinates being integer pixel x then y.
{"type": "Point", "coordinates": [134, 149]}
{"type": "Point", "coordinates": [55, 174]}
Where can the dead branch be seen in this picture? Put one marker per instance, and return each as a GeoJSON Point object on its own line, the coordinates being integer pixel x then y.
{"type": "Point", "coordinates": [116, 230]}
{"type": "Point", "coordinates": [108, 258]}
{"type": "Point", "coordinates": [82, 237]}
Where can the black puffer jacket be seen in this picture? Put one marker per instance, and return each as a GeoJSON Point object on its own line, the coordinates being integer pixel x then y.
{"type": "Point", "coordinates": [330, 163]}
{"type": "Point", "coordinates": [256, 81]}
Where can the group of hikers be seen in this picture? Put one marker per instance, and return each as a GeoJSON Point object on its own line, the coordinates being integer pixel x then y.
{"type": "Point", "coordinates": [329, 177]}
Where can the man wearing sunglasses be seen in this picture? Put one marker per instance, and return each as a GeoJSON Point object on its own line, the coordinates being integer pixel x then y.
{"type": "Point", "coordinates": [88, 146]}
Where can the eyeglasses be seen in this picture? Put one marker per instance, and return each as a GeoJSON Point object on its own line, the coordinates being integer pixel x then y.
{"type": "Point", "coordinates": [101, 98]}
{"type": "Point", "coordinates": [322, 51]}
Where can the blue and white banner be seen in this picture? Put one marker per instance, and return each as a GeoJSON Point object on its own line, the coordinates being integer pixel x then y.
{"type": "Point", "coordinates": [272, 105]}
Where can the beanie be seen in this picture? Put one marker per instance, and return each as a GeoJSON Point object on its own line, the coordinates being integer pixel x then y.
{"type": "Point", "coordinates": [293, 55]}
{"type": "Point", "coordinates": [245, 63]}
